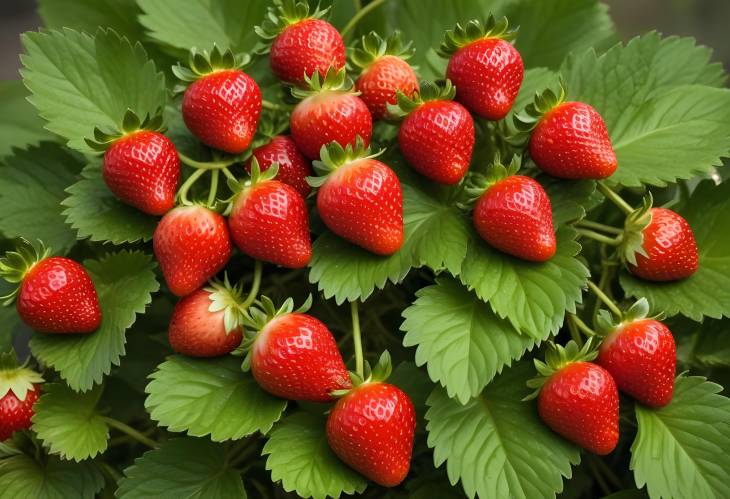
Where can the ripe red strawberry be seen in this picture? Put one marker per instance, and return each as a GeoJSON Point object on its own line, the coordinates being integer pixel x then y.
{"type": "Point", "coordinates": [294, 168]}
{"type": "Point", "coordinates": [293, 355]}
{"type": "Point", "coordinates": [269, 221]}
{"type": "Point", "coordinates": [360, 199]}
{"type": "Point", "coordinates": [437, 135]}
{"type": "Point", "coordinates": [19, 390]}
{"type": "Point", "coordinates": [328, 112]}
{"type": "Point", "coordinates": [300, 43]}
{"type": "Point", "coordinates": [191, 244]}
{"type": "Point", "coordinates": [486, 69]}
{"type": "Point", "coordinates": [384, 71]}
{"type": "Point", "coordinates": [55, 294]}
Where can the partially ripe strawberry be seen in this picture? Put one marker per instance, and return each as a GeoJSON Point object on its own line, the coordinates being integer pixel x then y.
{"type": "Point", "coordinates": [191, 244]}
{"type": "Point", "coordinates": [294, 168]}
{"type": "Point", "coordinates": [19, 390]}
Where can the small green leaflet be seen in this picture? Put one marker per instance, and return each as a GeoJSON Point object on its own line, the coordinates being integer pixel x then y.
{"type": "Point", "coordinates": [496, 444]}
{"type": "Point", "coordinates": [68, 424]}
{"type": "Point", "coordinates": [19, 123]}
{"type": "Point", "coordinates": [462, 342]}
{"type": "Point", "coordinates": [124, 282]}
{"type": "Point", "coordinates": [193, 468]}
{"type": "Point", "coordinates": [682, 450]}
{"type": "Point", "coordinates": [210, 397]}
{"type": "Point", "coordinates": [299, 456]}
{"type": "Point", "coordinates": [22, 476]}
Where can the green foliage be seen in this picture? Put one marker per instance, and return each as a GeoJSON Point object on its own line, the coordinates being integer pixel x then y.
{"type": "Point", "coordinates": [22, 476]}
{"type": "Point", "coordinates": [87, 15]}
{"type": "Point", "coordinates": [19, 124]}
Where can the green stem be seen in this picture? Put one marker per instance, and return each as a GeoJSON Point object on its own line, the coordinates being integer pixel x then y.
{"type": "Point", "coordinates": [357, 4]}
{"type": "Point", "coordinates": [128, 430]}
{"type": "Point", "coordinates": [599, 477]}
{"type": "Point", "coordinates": [605, 299]}
{"type": "Point", "coordinates": [213, 187]}
{"type": "Point", "coordinates": [255, 285]}
{"type": "Point", "coordinates": [615, 198]}
{"type": "Point", "coordinates": [360, 14]}
{"type": "Point", "coordinates": [589, 224]}
{"type": "Point", "coordinates": [574, 334]}
{"type": "Point", "coordinates": [590, 234]}
{"type": "Point", "coordinates": [185, 188]}
{"type": "Point", "coordinates": [357, 339]}
{"type": "Point", "coordinates": [581, 325]}
{"type": "Point", "coordinates": [273, 106]}
{"type": "Point", "coordinates": [113, 474]}
{"type": "Point", "coordinates": [207, 165]}
{"type": "Point", "coordinates": [229, 175]}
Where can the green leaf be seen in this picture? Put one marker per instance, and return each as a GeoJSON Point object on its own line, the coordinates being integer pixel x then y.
{"type": "Point", "coordinates": [462, 342]}
{"type": "Point", "coordinates": [88, 15]}
{"type": "Point", "coordinates": [707, 292]}
{"type": "Point", "coordinates": [97, 214]}
{"type": "Point", "coordinates": [21, 476]}
{"type": "Point", "coordinates": [210, 397]}
{"type": "Point", "coordinates": [19, 122]}
{"type": "Point", "coordinates": [534, 297]}
{"type": "Point", "coordinates": [496, 444]}
{"type": "Point", "coordinates": [68, 424]}
{"type": "Point", "coordinates": [711, 346]}
{"type": "Point", "coordinates": [124, 282]}
{"type": "Point", "coordinates": [299, 456]}
{"type": "Point", "coordinates": [192, 468]}
{"type": "Point", "coordinates": [81, 82]}
{"type": "Point", "coordinates": [570, 199]}
{"type": "Point", "coordinates": [31, 191]}
{"type": "Point", "coordinates": [681, 450]}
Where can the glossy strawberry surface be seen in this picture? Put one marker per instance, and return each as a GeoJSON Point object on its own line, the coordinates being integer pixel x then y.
{"type": "Point", "coordinates": [294, 168]}
{"type": "Point", "coordinates": [142, 169]}
{"type": "Point", "coordinates": [295, 357]}
{"type": "Point", "coordinates": [305, 47]}
{"type": "Point", "coordinates": [371, 429]}
{"type": "Point", "coordinates": [670, 247]}
{"type": "Point", "coordinates": [437, 140]}
{"type": "Point", "coordinates": [191, 244]}
{"type": "Point", "coordinates": [222, 109]}
{"type": "Point", "coordinates": [329, 116]}
{"type": "Point", "coordinates": [580, 402]}
{"type": "Point", "coordinates": [58, 296]}
{"type": "Point", "coordinates": [488, 74]}
{"type": "Point", "coordinates": [270, 222]}
{"type": "Point", "coordinates": [571, 141]}
{"type": "Point", "coordinates": [515, 216]}
{"type": "Point", "coordinates": [16, 414]}
{"type": "Point", "coordinates": [362, 202]}
{"type": "Point", "coordinates": [380, 81]}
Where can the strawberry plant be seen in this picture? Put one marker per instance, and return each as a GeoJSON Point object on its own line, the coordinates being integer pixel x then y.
{"type": "Point", "coordinates": [382, 248]}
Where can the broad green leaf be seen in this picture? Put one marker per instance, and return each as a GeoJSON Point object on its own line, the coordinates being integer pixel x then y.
{"type": "Point", "coordinates": [496, 444]}
{"type": "Point", "coordinates": [88, 15]}
{"type": "Point", "coordinates": [707, 292]}
{"type": "Point", "coordinates": [534, 297]}
{"type": "Point", "coordinates": [97, 214]}
{"type": "Point", "coordinates": [299, 456]}
{"type": "Point", "coordinates": [124, 282]}
{"type": "Point", "coordinates": [682, 449]}
{"type": "Point", "coordinates": [80, 82]}
{"type": "Point", "coordinates": [458, 337]}
{"type": "Point", "coordinates": [210, 397]}
{"type": "Point", "coordinates": [68, 424]}
{"type": "Point", "coordinates": [19, 122]}
{"type": "Point", "coordinates": [570, 199]}
{"type": "Point", "coordinates": [21, 476]}
{"type": "Point", "coordinates": [31, 191]}
{"type": "Point", "coordinates": [190, 468]}
{"type": "Point", "coordinates": [711, 347]}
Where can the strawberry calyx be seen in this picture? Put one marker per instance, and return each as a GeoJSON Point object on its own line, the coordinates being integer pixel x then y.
{"type": "Point", "coordinates": [201, 63]}
{"type": "Point", "coordinates": [243, 188]}
{"type": "Point", "coordinates": [462, 35]}
{"type": "Point", "coordinates": [476, 184]}
{"type": "Point", "coordinates": [281, 15]}
{"type": "Point", "coordinates": [606, 323]}
{"type": "Point", "coordinates": [372, 47]}
{"type": "Point", "coordinates": [270, 125]}
{"type": "Point", "coordinates": [333, 157]}
{"type": "Point", "coordinates": [379, 373]}
{"type": "Point", "coordinates": [131, 124]}
{"type": "Point", "coordinates": [556, 358]}
{"type": "Point", "coordinates": [543, 103]}
{"type": "Point", "coordinates": [17, 379]}
{"type": "Point", "coordinates": [227, 297]}
{"type": "Point", "coordinates": [632, 240]}
{"type": "Point", "coordinates": [15, 265]}
{"type": "Point", "coordinates": [335, 81]}
{"type": "Point", "coordinates": [428, 91]}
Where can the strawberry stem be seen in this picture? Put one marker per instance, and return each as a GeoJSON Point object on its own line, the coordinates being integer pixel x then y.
{"type": "Point", "coordinates": [229, 175]}
{"type": "Point", "coordinates": [589, 224]}
{"type": "Point", "coordinates": [213, 187]}
{"type": "Point", "coordinates": [615, 198]}
{"type": "Point", "coordinates": [582, 326]}
{"type": "Point", "coordinates": [185, 188]}
{"type": "Point", "coordinates": [605, 299]}
{"type": "Point", "coordinates": [573, 328]}
{"type": "Point", "coordinates": [360, 14]}
{"type": "Point", "coordinates": [131, 432]}
{"type": "Point", "coordinates": [207, 165]}
{"type": "Point", "coordinates": [273, 106]}
{"type": "Point", "coordinates": [612, 241]}
{"type": "Point", "coordinates": [255, 285]}
{"type": "Point", "coordinates": [357, 339]}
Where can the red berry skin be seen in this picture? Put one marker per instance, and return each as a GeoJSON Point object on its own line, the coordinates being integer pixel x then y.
{"type": "Point", "coordinates": [294, 168]}
{"type": "Point", "coordinates": [327, 116]}
{"type": "Point", "coordinates": [269, 222]}
{"type": "Point", "coordinates": [198, 332]}
{"type": "Point", "coordinates": [571, 141]}
{"type": "Point", "coordinates": [670, 244]}
{"type": "Point", "coordinates": [142, 169]}
{"type": "Point", "coordinates": [57, 295]}
{"type": "Point", "coordinates": [380, 81]}
{"type": "Point", "coordinates": [437, 140]}
{"type": "Point", "coordinates": [191, 244]}
{"type": "Point", "coordinates": [515, 216]}
{"type": "Point", "coordinates": [305, 47]}
{"type": "Point", "coordinates": [642, 358]}
{"type": "Point", "coordinates": [371, 429]}
{"type": "Point", "coordinates": [15, 414]}
{"type": "Point", "coordinates": [222, 109]}
{"type": "Point", "coordinates": [488, 74]}
{"type": "Point", "coordinates": [295, 357]}
{"type": "Point", "coordinates": [580, 402]}
{"type": "Point", "coordinates": [362, 202]}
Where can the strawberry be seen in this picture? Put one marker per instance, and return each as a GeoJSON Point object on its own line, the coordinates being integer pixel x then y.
{"type": "Point", "coordinates": [486, 69]}
{"type": "Point", "coordinates": [300, 44]}
{"type": "Point", "coordinates": [437, 135]}
{"type": "Point", "coordinates": [384, 71]}
{"type": "Point", "coordinates": [55, 294]}
{"type": "Point", "coordinates": [294, 168]}
{"type": "Point", "coordinates": [328, 112]}
{"type": "Point", "coordinates": [191, 244]}
{"type": "Point", "coordinates": [291, 354]}
{"type": "Point", "coordinates": [359, 198]}
{"type": "Point", "coordinates": [577, 399]}
{"type": "Point", "coordinates": [19, 390]}
{"type": "Point", "coordinates": [269, 220]}
{"type": "Point", "coordinates": [222, 104]}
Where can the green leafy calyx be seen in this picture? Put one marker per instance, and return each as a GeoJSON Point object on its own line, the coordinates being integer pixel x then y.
{"type": "Point", "coordinates": [131, 124]}
{"type": "Point", "coordinates": [607, 323]}
{"type": "Point", "coordinates": [372, 47]}
{"type": "Point", "coordinates": [203, 62]}
{"type": "Point", "coordinates": [476, 184]}
{"type": "Point", "coordinates": [335, 81]}
{"type": "Point", "coordinates": [227, 297]}
{"type": "Point", "coordinates": [475, 30]}
{"type": "Point", "coordinates": [428, 91]}
{"type": "Point", "coordinates": [19, 380]}
{"type": "Point", "coordinates": [379, 373]}
{"type": "Point", "coordinates": [271, 124]}
{"type": "Point", "coordinates": [333, 156]}
{"type": "Point", "coordinates": [281, 15]}
{"type": "Point", "coordinates": [632, 241]}
{"type": "Point", "coordinates": [15, 265]}
{"type": "Point", "coordinates": [556, 358]}
{"type": "Point", "coordinates": [257, 176]}
{"type": "Point", "coordinates": [544, 101]}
